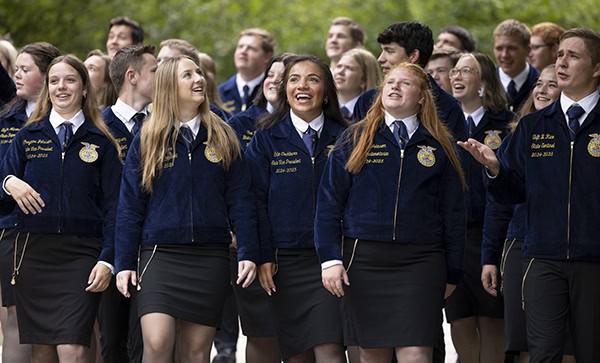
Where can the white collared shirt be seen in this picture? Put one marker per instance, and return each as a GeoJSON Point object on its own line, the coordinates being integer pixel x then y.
{"type": "Point", "coordinates": [519, 79]}
{"type": "Point", "coordinates": [240, 83]}
{"type": "Point", "coordinates": [56, 120]}
{"type": "Point", "coordinates": [270, 107]}
{"type": "Point", "coordinates": [477, 115]}
{"type": "Point", "coordinates": [125, 113]}
{"type": "Point", "coordinates": [302, 126]}
{"type": "Point", "coordinates": [29, 107]}
{"type": "Point", "coordinates": [193, 124]}
{"type": "Point", "coordinates": [411, 122]}
{"type": "Point", "coordinates": [587, 103]}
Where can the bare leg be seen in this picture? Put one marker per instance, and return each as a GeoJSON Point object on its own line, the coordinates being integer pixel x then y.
{"type": "Point", "coordinates": [414, 354]}
{"type": "Point", "coordinates": [196, 341]}
{"type": "Point", "coordinates": [524, 357]}
{"type": "Point", "coordinates": [158, 332]}
{"type": "Point", "coordinates": [12, 350]}
{"type": "Point", "coordinates": [72, 353]}
{"type": "Point", "coordinates": [305, 357]}
{"type": "Point", "coordinates": [329, 353]}
{"type": "Point", "coordinates": [368, 355]}
{"type": "Point", "coordinates": [465, 337]}
{"type": "Point", "coordinates": [353, 354]}
{"type": "Point", "coordinates": [43, 354]}
{"type": "Point", "coordinates": [262, 350]}
{"type": "Point", "coordinates": [491, 333]}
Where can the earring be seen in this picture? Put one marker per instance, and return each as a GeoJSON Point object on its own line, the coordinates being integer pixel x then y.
{"type": "Point", "coordinates": [325, 101]}
{"type": "Point", "coordinates": [481, 91]}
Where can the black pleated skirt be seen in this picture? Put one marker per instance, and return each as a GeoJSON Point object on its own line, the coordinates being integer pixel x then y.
{"type": "Point", "coordinates": [7, 245]}
{"type": "Point", "coordinates": [253, 306]}
{"type": "Point", "coordinates": [305, 313]}
{"type": "Point", "coordinates": [396, 293]}
{"type": "Point", "coordinates": [52, 304]}
{"type": "Point", "coordinates": [187, 282]}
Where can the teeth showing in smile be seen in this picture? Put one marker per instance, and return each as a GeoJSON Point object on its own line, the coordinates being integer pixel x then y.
{"type": "Point", "coordinates": [459, 86]}
{"type": "Point", "coordinates": [303, 97]}
{"type": "Point", "coordinates": [543, 99]}
{"type": "Point", "coordinates": [197, 89]}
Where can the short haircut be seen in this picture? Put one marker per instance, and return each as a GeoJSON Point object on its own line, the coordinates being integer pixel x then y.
{"type": "Point", "coordinates": [466, 39]}
{"type": "Point", "coordinates": [267, 41]}
{"type": "Point", "coordinates": [410, 35]}
{"type": "Point", "coordinates": [182, 46]}
{"type": "Point", "coordinates": [549, 32]}
{"type": "Point", "coordinates": [356, 32]}
{"type": "Point", "coordinates": [137, 33]}
{"type": "Point", "coordinates": [514, 28]}
{"type": "Point", "coordinates": [130, 56]}
{"type": "Point", "coordinates": [591, 39]}
{"type": "Point", "coordinates": [446, 52]}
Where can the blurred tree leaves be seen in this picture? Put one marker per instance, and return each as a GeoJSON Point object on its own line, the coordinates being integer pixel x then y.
{"type": "Point", "coordinates": [299, 26]}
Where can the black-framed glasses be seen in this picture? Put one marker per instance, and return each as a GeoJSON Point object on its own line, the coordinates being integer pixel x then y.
{"type": "Point", "coordinates": [465, 71]}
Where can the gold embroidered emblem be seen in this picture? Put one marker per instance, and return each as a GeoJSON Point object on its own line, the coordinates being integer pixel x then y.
{"type": "Point", "coordinates": [426, 156]}
{"type": "Point", "coordinates": [211, 154]}
{"type": "Point", "coordinates": [492, 139]}
{"type": "Point", "coordinates": [88, 152]}
{"type": "Point", "coordinates": [594, 145]}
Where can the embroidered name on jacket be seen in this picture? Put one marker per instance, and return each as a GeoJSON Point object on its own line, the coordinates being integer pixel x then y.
{"type": "Point", "coordinates": [377, 154]}
{"type": "Point", "coordinates": [37, 148]}
{"type": "Point", "coordinates": [7, 134]}
{"type": "Point", "coordinates": [542, 145]}
{"type": "Point", "coordinates": [283, 161]}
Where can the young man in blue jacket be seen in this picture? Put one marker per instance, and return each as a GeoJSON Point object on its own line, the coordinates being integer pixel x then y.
{"type": "Point", "coordinates": [552, 163]}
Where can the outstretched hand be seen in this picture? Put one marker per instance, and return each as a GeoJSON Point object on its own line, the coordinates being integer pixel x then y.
{"type": "Point", "coordinates": [483, 154]}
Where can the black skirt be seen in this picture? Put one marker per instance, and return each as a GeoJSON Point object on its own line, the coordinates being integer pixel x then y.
{"type": "Point", "coordinates": [305, 313]}
{"type": "Point", "coordinates": [7, 246]}
{"type": "Point", "coordinates": [187, 282]}
{"type": "Point", "coordinates": [52, 304]}
{"type": "Point", "coordinates": [470, 299]}
{"type": "Point", "coordinates": [396, 293]}
{"type": "Point", "coordinates": [253, 306]}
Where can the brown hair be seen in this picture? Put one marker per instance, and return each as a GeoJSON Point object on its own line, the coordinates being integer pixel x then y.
{"type": "Point", "coordinates": [137, 33]}
{"type": "Point", "coordinates": [267, 41]}
{"type": "Point", "coordinates": [356, 32]}
{"type": "Point", "coordinates": [591, 39]}
{"type": "Point", "coordinates": [126, 57]}
{"type": "Point", "coordinates": [514, 28]}
{"type": "Point", "coordinates": [89, 105]}
{"type": "Point", "coordinates": [363, 133]}
{"type": "Point", "coordinates": [109, 93]}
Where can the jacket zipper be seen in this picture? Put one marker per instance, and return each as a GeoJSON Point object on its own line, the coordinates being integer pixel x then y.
{"type": "Point", "coordinates": [569, 202]}
{"type": "Point", "coordinates": [62, 167]}
{"type": "Point", "coordinates": [312, 160]}
{"type": "Point", "coordinates": [398, 193]}
{"type": "Point", "coordinates": [191, 197]}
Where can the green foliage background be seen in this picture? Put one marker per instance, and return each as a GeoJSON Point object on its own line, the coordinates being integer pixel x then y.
{"type": "Point", "coordinates": [77, 26]}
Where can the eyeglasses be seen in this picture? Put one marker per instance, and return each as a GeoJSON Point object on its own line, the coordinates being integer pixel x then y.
{"type": "Point", "coordinates": [465, 71]}
{"type": "Point", "coordinates": [538, 46]}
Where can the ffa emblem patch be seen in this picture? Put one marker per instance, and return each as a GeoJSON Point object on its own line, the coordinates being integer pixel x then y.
{"type": "Point", "coordinates": [88, 152]}
{"type": "Point", "coordinates": [211, 154]}
{"type": "Point", "coordinates": [594, 145]}
{"type": "Point", "coordinates": [426, 156]}
{"type": "Point", "coordinates": [492, 139]}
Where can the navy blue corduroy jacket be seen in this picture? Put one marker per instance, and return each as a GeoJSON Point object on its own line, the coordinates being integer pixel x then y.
{"type": "Point", "coordinates": [194, 201]}
{"type": "Point", "coordinates": [285, 180]}
{"type": "Point", "coordinates": [414, 196]}
{"type": "Point", "coordinates": [80, 191]}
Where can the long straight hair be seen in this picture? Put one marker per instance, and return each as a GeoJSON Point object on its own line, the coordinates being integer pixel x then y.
{"type": "Point", "coordinates": [88, 102]}
{"type": "Point", "coordinates": [363, 133]}
{"type": "Point", "coordinates": [159, 133]}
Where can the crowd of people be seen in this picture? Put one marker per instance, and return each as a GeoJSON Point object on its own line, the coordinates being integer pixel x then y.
{"type": "Point", "coordinates": [335, 208]}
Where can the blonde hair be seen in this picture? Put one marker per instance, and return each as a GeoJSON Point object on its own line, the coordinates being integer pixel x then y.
{"type": "Point", "coordinates": [368, 64]}
{"type": "Point", "coordinates": [157, 138]}
{"type": "Point", "coordinates": [363, 133]}
{"type": "Point", "coordinates": [89, 104]}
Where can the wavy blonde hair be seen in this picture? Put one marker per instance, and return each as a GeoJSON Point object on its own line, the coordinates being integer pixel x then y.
{"type": "Point", "coordinates": [363, 133]}
{"type": "Point", "coordinates": [159, 133]}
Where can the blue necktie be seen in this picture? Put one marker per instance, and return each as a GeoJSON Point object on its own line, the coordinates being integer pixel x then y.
{"type": "Point", "coordinates": [512, 92]}
{"type": "Point", "coordinates": [310, 140]}
{"type": "Point", "coordinates": [574, 113]}
{"type": "Point", "coordinates": [188, 136]}
{"type": "Point", "coordinates": [245, 97]}
{"type": "Point", "coordinates": [471, 126]}
{"type": "Point", "coordinates": [400, 133]}
{"type": "Point", "coordinates": [137, 119]}
{"type": "Point", "coordinates": [65, 133]}
{"type": "Point", "coordinates": [346, 112]}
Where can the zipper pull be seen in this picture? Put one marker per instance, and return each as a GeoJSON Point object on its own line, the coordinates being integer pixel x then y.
{"type": "Point", "coordinates": [401, 153]}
